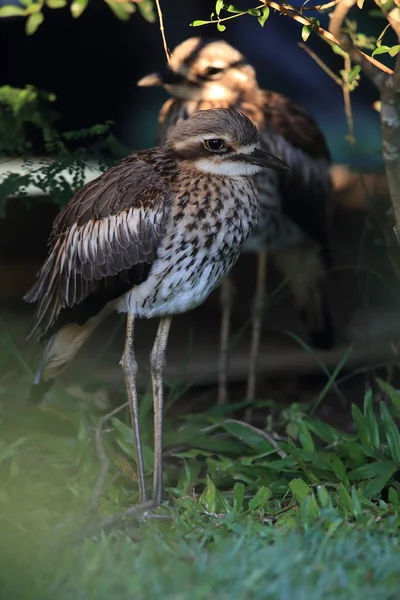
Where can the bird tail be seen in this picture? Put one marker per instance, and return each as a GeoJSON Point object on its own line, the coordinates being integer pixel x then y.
{"type": "Point", "coordinates": [306, 280]}
{"type": "Point", "coordinates": [60, 350]}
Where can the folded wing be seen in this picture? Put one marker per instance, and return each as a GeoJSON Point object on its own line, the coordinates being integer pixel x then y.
{"type": "Point", "coordinates": [104, 242]}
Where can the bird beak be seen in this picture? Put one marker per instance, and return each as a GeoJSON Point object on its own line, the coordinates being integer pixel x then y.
{"type": "Point", "coordinates": [165, 77]}
{"type": "Point", "coordinates": [263, 159]}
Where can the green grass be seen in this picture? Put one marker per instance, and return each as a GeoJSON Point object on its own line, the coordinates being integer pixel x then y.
{"type": "Point", "coordinates": [312, 513]}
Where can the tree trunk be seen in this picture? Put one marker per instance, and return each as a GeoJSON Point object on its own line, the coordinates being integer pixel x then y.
{"type": "Point", "coordinates": [390, 122]}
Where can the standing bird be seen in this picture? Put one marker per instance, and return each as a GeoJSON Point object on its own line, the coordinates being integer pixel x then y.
{"type": "Point", "coordinates": [152, 237]}
{"type": "Point", "coordinates": [294, 206]}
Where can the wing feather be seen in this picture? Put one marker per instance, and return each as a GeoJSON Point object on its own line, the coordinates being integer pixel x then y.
{"type": "Point", "coordinates": [103, 242]}
{"type": "Point", "coordinates": [306, 189]}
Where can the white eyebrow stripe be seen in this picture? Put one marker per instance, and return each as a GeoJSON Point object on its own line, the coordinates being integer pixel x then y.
{"type": "Point", "coordinates": [247, 149]}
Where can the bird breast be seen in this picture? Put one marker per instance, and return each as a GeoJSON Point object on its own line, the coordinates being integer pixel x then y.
{"type": "Point", "coordinates": [210, 220]}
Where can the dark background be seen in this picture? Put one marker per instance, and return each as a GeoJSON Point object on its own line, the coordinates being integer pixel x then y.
{"type": "Point", "coordinates": [93, 63]}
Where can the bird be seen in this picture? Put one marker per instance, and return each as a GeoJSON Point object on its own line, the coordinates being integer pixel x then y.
{"type": "Point", "coordinates": [295, 206]}
{"type": "Point", "coordinates": [150, 237]}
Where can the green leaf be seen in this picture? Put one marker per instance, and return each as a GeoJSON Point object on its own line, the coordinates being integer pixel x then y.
{"type": "Point", "coordinates": [372, 423]}
{"type": "Point", "coordinates": [391, 392]}
{"type": "Point", "coordinates": [394, 497]}
{"type": "Point", "coordinates": [392, 432]}
{"type": "Point", "coordinates": [248, 435]}
{"type": "Point", "coordinates": [340, 471]}
{"type": "Point", "coordinates": [305, 32]}
{"type": "Point", "coordinates": [338, 50]}
{"type": "Point", "coordinates": [264, 16]}
{"type": "Point", "coordinates": [344, 500]}
{"type": "Point", "coordinates": [11, 11]}
{"type": "Point", "coordinates": [238, 496]}
{"type": "Point", "coordinates": [361, 423]}
{"type": "Point", "coordinates": [299, 489]}
{"type": "Point", "coordinates": [56, 3]}
{"type": "Point", "coordinates": [77, 7]}
{"type": "Point", "coordinates": [376, 485]}
{"type": "Point", "coordinates": [309, 509]}
{"type": "Point", "coordinates": [374, 469]}
{"type": "Point", "coordinates": [394, 50]}
{"type": "Point", "coordinates": [208, 497]}
{"type": "Point", "coordinates": [198, 23]}
{"type": "Point", "coordinates": [146, 9]}
{"type": "Point", "coordinates": [33, 7]}
{"type": "Point", "coordinates": [122, 10]}
{"type": "Point", "coordinates": [357, 508]}
{"type": "Point", "coordinates": [326, 432]}
{"type": "Point", "coordinates": [353, 73]}
{"type": "Point", "coordinates": [332, 378]}
{"type": "Point", "coordinates": [232, 9]}
{"type": "Point", "coordinates": [324, 497]}
{"type": "Point", "coordinates": [219, 5]}
{"type": "Point", "coordinates": [254, 12]}
{"type": "Point", "coordinates": [220, 26]}
{"type": "Point", "coordinates": [304, 436]}
{"type": "Point", "coordinates": [10, 449]}
{"type": "Point", "coordinates": [261, 498]}
{"type": "Point", "coordinates": [33, 22]}
{"type": "Point", "coordinates": [381, 50]}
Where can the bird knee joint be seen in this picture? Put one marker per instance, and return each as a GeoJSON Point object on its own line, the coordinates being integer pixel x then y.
{"type": "Point", "coordinates": [129, 365]}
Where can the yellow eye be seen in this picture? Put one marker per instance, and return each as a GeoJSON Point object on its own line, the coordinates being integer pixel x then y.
{"type": "Point", "coordinates": [215, 145]}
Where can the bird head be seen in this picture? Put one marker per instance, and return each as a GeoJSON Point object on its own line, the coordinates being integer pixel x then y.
{"type": "Point", "coordinates": [221, 142]}
{"type": "Point", "coordinates": [202, 69]}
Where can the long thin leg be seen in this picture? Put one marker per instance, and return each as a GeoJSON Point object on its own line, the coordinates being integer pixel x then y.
{"type": "Point", "coordinates": [157, 362]}
{"type": "Point", "coordinates": [226, 311]}
{"type": "Point", "coordinates": [256, 327]}
{"type": "Point", "coordinates": [129, 367]}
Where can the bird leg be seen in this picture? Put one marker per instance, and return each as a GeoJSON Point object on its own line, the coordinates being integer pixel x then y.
{"type": "Point", "coordinates": [157, 362]}
{"type": "Point", "coordinates": [129, 367]}
{"type": "Point", "coordinates": [226, 310]}
{"type": "Point", "coordinates": [256, 327]}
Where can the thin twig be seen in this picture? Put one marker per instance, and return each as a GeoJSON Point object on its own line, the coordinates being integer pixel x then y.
{"type": "Point", "coordinates": [104, 466]}
{"type": "Point", "coordinates": [392, 14]}
{"type": "Point", "coordinates": [162, 30]}
{"type": "Point", "coordinates": [260, 432]}
{"type": "Point", "coordinates": [102, 456]}
{"type": "Point", "coordinates": [321, 7]}
{"type": "Point", "coordinates": [362, 370]}
{"type": "Point", "coordinates": [321, 64]}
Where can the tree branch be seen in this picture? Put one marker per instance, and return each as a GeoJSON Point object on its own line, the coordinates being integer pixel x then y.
{"type": "Point", "coordinates": [368, 64]}
{"type": "Point", "coordinates": [392, 13]}
{"type": "Point", "coordinates": [341, 7]}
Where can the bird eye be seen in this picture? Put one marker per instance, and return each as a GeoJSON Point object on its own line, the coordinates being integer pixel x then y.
{"type": "Point", "coordinates": [215, 145]}
{"type": "Point", "coordinates": [213, 71]}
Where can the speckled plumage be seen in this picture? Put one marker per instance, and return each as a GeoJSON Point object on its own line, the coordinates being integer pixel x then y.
{"type": "Point", "coordinates": [155, 234]}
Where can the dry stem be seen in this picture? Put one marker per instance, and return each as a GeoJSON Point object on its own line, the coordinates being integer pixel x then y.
{"type": "Point", "coordinates": [162, 31]}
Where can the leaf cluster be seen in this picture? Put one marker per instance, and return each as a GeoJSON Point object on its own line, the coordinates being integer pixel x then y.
{"type": "Point", "coordinates": [33, 10]}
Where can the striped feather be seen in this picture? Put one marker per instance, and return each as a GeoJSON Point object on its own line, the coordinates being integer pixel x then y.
{"type": "Point", "coordinates": [99, 241]}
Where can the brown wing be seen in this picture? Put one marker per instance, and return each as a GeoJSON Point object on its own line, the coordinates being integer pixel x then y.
{"type": "Point", "coordinates": [104, 242]}
{"type": "Point", "coordinates": [305, 190]}
{"type": "Point", "coordinates": [295, 125]}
